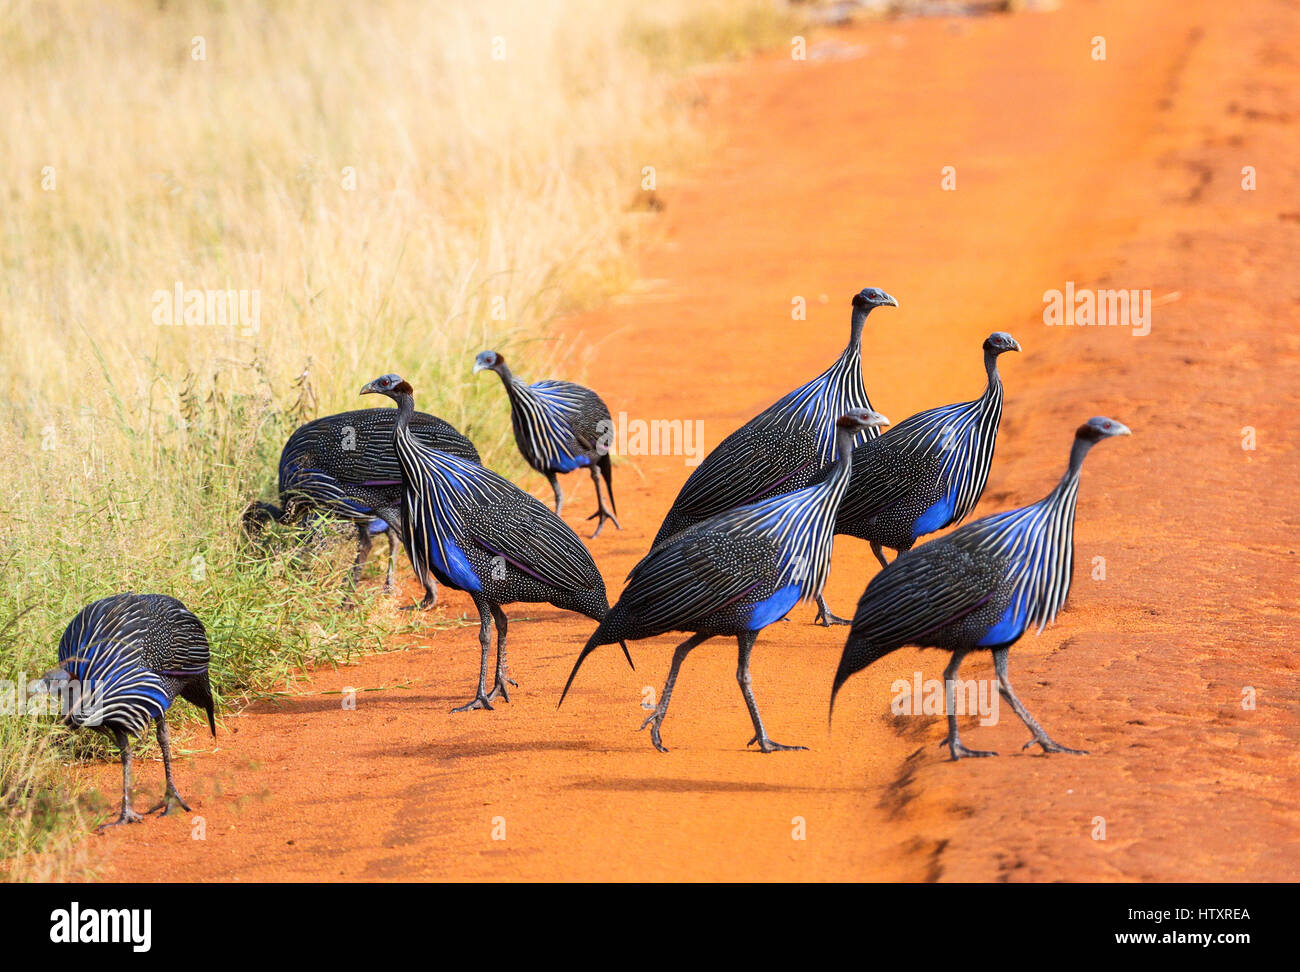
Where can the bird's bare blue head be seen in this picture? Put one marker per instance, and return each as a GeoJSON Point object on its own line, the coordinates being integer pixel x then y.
{"type": "Point", "coordinates": [1099, 427]}
{"type": "Point", "coordinates": [856, 419]}
{"type": "Point", "coordinates": [50, 682]}
{"type": "Point", "coordinates": [488, 361]}
{"type": "Point", "coordinates": [257, 516]}
{"type": "Point", "coordinates": [57, 693]}
{"type": "Point", "coordinates": [391, 385]}
{"type": "Point", "coordinates": [871, 297]}
{"type": "Point", "coordinates": [1000, 342]}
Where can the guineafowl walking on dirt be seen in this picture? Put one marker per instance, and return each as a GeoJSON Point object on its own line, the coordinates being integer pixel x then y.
{"type": "Point", "coordinates": [479, 533]}
{"type": "Point", "coordinates": [559, 427]}
{"type": "Point", "coordinates": [784, 447]}
{"type": "Point", "coordinates": [123, 660]}
{"type": "Point", "coordinates": [344, 465]}
{"type": "Point", "coordinates": [925, 473]}
{"type": "Point", "coordinates": [979, 588]}
{"type": "Point", "coordinates": [734, 574]}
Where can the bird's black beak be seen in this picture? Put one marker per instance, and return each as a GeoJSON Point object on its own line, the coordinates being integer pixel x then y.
{"type": "Point", "coordinates": [369, 389]}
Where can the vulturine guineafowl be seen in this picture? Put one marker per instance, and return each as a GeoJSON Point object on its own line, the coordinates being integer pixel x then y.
{"type": "Point", "coordinates": [559, 427]}
{"type": "Point", "coordinates": [734, 574]}
{"type": "Point", "coordinates": [782, 448]}
{"type": "Point", "coordinates": [979, 588]}
{"type": "Point", "coordinates": [344, 465]}
{"type": "Point", "coordinates": [925, 473]}
{"type": "Point", "coordinates": [123, 660]}
{"type": "Point", "coordinates": [479, 533]}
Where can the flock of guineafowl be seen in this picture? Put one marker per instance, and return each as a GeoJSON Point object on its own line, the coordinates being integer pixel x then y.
{"type": "Point", "coordinates": [748, 537]}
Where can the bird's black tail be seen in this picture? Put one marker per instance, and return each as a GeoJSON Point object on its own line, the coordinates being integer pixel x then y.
{"type": "Point", "coordinates": [600, 636]}
{"type": "Point", "coordinates": [858, 654]}
{"type": "Point", "coordinates": [592, 644]}
{"type": "Point", "coordinates": [200, 693]}
{"type": "Point", "coordinates": [605, 470]}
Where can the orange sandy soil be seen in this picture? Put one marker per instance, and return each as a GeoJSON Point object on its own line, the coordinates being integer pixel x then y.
{"type": "Point", "coordinates": [1121, 173]}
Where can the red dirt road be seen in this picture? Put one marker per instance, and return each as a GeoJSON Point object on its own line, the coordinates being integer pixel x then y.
{"type": "Point", "coordinates": [1122, 173]}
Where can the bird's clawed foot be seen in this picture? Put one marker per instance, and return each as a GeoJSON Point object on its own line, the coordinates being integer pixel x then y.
{"type": "Point", "coordinates": [958, 750]}
{"type": "Point", "coordinates": [654, 720]}
{"type": "Point", "coordinates": [426, 604]}
{"type": "Point", "coordinates": [604, 515]}
{"type": "Point", "coordinates": [499, 690]}
{"type": "Point", "coordinates": [825, 618]}
{"type": "Point", "coordinates": [127, 816]}
{"type": "Point", "coordinates": [1052, 746]}
{"type": "Point", "coordinates": [767, 745]}
{"type": "Point", "coordinates": [170, 801]}
{"type": "Point", "coordinates": [479, 701]}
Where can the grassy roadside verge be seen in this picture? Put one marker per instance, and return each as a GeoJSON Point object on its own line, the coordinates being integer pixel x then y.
{"type": "Point", "coordinates": [399, 184]}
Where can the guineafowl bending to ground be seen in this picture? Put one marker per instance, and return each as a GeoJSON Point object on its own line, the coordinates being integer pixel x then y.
{"type": "Point", "coordinates": [735, 574]}
{"type": "Point", "coordinates": [479, 533]}
{"type": "Point", "coordinates": [784, 447]}
{"type": "Point", "coordinates": [978, 588]}
{"type": "Point", "coordinates": [925, 473]}
{"type": "Point", "coordinates": [344, 465]}
{"type": "Point", "coordinates": [122, 662]}
{"type": "Point", "coordinates": [559, 427]}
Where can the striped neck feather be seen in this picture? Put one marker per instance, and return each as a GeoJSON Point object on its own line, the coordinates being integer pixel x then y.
{"type": "Point", "coordinates": [802, 523]}
{"type": "Point", "coordinates": [540, 414]}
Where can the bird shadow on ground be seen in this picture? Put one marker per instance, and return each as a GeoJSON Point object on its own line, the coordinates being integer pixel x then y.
{"type": "Point", "coordinates": [647, 784]}
{"type": "Point", "coordinates": [495, 747]}
{"type": "Point", "coordinates": [333, 702]}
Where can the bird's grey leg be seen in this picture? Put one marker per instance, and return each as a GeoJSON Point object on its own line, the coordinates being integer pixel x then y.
{"type": "Point", "coordinates": [127, 816]}
{"type": "Point", "coordinates": [363, 550]}
{"type": "Point", "coordinates": [392, 560]}
{"type": "Point", "coordinates": [1040, 736]}
{"type": "Point", "coordinates": [363, 553]}
{"type": "Point", "coordinates": [430, 591]}
{"type": "Point", "coordinates": [765, 743]}
{"type": "Point", "coordinates": [481, 700]}
{"type": "Point", "coordinates": [656, 718]}
{"type": "Point", "coordinates": [499, 689]}
{"type": "Point", "coordinates": [559, 496]}
{"type": "Point", "coordinates": [879, 551]}
{"type": "Point", "coordinates": [170, 798]}
{"type": "Point", "coordinates": [953, 742]}
{"type": "Point", "coordinates": [602, 511]}
{"type": "Point", "coordinates": [824, 616]}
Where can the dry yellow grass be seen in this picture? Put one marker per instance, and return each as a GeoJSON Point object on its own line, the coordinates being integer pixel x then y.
{"type": "Point", "coordinates": [392, 185]}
